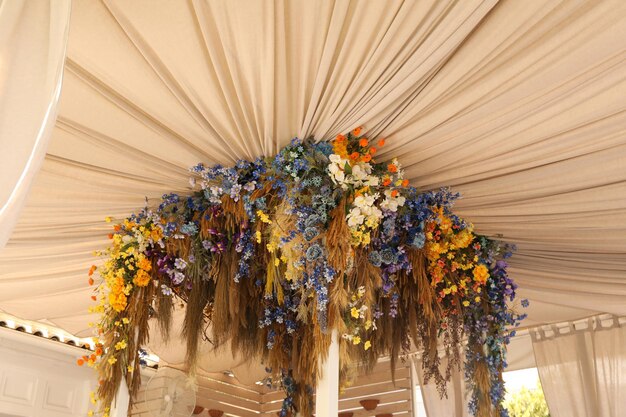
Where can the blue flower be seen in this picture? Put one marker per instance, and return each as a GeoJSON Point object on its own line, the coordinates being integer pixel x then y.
{"type": "Point", "coordinates": [375, 258]}
{"type": "Point", "coordinates": [310, 233]}
{"type": "Point", "coordinates": [189, 229]}
{"type": "Point", "coordinates": [388, 256]}
{"type": "Point", "coordinates": [313, 252]}
{"type": "Point", "coordinates": [312, 220]}
{"type": "Point", "coordinates": [525, 303]}
{"type": "Point", "coordinates": [418, 240]}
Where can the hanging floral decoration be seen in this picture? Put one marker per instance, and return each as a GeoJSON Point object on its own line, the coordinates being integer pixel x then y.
{"type": "Point", "coordinates": [273, 255]}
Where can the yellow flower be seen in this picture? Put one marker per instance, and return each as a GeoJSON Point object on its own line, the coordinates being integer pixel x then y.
{"type": "Point", "coordinates": [156, 234]}
{"type": "Point", "coordinates": [477, 299]}
{"type": "Point", "coordinates": [117, 301]}
{"type": "Point", "coordinates": [142, 278]}
{"type": "Point", "coordinates": [144, 263]}
{"type": "Point", "coordinates": [368, 324]}
{"type": "Point", "coordinates": [466, 303]}
{"type": "Point", "coordinates": [90, 413]}
{"type": "Point", "coordinates": [367, 345]}
{"type": "Point", "coordinates": [108, 219]}
{"type": "Point", "coordinates": [112, 360]}
{"type": "Point", "coordinates": [130, 368]}
{"type": "Point", "coordinates": [356, 340]}
{"type": "Point", "coordinates": [263, 217]}
{"type": "Point", "coordinates": [258, 236]}
{"type": "Point", "coordinates": [120, 345]}
{"type": "Point", "coordinates": [125, 320]}
{"type": "Point", "coordinates": [354, 312]}
{"type": "Point", "coordinates": [276, 262]}
{"type": "Point", "coordinates": [481, 274]}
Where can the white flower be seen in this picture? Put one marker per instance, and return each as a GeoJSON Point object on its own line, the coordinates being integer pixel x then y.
{"type": "Point", "coordinates": [334, 158]}
{"type": "Point", "coordinates": [358, 173]}
{"type": "Point", "coordinates": [355, 217]}
{"type": "Point", "coordinates": [372, 181]}
{"type": "Point", "coordinates": [340, 176]}
{"type": "Point", "coordinates": [334, 168]}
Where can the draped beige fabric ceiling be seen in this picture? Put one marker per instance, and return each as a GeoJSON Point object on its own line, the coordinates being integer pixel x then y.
{"type": "Point", "coordinates": [520, 106]}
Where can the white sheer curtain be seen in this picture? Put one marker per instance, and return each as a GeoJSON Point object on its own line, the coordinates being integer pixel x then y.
{"type": "Point", "coordinates": [583, 368]}
{"type": "Point", "coordinates": [33, 39]}
{"type": "Point", "coordinates": [454, 405]}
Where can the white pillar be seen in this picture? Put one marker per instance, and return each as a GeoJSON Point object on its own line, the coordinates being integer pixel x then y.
{"type": "Point", "coordinates": [327, 394]}
{"type": "Point", "coordinates": [119, 408]}
{"type": "Point", "coordinates": [414, 382]}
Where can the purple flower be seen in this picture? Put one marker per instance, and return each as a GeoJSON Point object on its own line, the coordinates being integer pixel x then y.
{"type": "Point", "coordinates": [180, 264]}
{"type": "Point", "coordinates": [178, 278]}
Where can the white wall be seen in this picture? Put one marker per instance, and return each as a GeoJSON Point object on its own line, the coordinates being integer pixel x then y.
{"type": "Point", "coordinates": [40, 378]}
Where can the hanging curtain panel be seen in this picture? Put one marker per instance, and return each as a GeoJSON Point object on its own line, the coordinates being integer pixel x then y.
{"type": "Point", "coordinates": [583, 368]}
{"type": "Point", "coordinates": [33, 39]}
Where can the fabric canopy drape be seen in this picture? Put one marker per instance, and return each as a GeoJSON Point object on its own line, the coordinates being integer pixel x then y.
{"type": "Point", "coordinates": [583, 370]}
{"type": "Point", "coordinates": [517, 105]}
{"type": "Point", "coordinates": [33, 39]}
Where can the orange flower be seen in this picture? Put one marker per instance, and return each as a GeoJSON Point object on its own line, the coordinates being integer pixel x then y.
{"type": "Point", "coordinates": [93, 297]}
{"type": "Point", "coordinates": [117, 227]}
{"type": "Point", "coordinates": [354, 156]}
{"type": "Point", "coordinates": [99, 351]}
{"type": "Point", "coordinates": [386, 182]}
{"type": "Point", "coordinates": [363, 142]}
{"type": "Point", "coordinates": [93, 358]}
{"type": "Point", "coordinates": [372, 151]}
{"type": "Point", "coordinates": [357, 131]}
{"type": "Point", "coordinates": [405, 183]}
{"type": "Point", "coordinates": [340, 138]}
{"type": "Point", "coordinates": [110, 235]}
{"type": "Point", "coordinates": [392, 168]}
{"type": "Point", "coordinates": [394, 193]}
{"type": "Point", "coordinates": [91, 281]}
{"type": "Point", "coordinates": [92, 270]}
{"type": "Point", "coordinates": [381, 143]}
{"type": "Point", "coordinates": [366, 158]}
{"type": "Point", "coordinates": [80, 362]}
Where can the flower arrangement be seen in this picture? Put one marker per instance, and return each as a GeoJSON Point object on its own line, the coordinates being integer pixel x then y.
{"type": "Point", "coordinates": [273, 254]}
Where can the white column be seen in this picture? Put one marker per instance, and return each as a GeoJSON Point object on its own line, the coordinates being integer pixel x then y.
{"type": "Point", "coordinates": [119, 408]}
{"type": "Point", "coordinates": [414, 382]}
{"type": "Point", "coordinates": [327, 394]}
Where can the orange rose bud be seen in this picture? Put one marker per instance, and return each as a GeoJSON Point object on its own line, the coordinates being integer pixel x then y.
{"type": "Point", "coordinates": [363, 142]}
{"type": "Point", "coordinates": [91, 281]}
{"type": "Point", "coordinates": [394, 193]}
{"type": "Point", "coordinates": [381, 143]}
{"type": "Point", "coordinates": [366, 158]}
{"type": "Point", "coordinates": [340, 138]}
{"type": "Point", "coordinates": [117, 227]}
{"type": "Point", "coordinates": [99, 351]}
{"type": "Point", "coordinates": [392, 168]}
{"type": "Point", "coordinates": [92, 270]}
{"type": "Point", "coordinates": [354, 156]}
{"type": "Point", "coordinates": [372, 151]}
{"type": "Point", "coordinates": [386, 182]}
{"type": "Point", "coordinates": [405, 183]}
{"type": "Point", "coordinates": [93, 297]}
{"type": "Point", "coordinates": [110, 235]}
{"type": "Point", "coordinates": [357, 131]}
{"type": "Point", "coordinates": [80, 362]}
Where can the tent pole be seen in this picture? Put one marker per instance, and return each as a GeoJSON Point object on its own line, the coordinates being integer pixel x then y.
{"type": "Point", "coordinates": [327, 394]}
